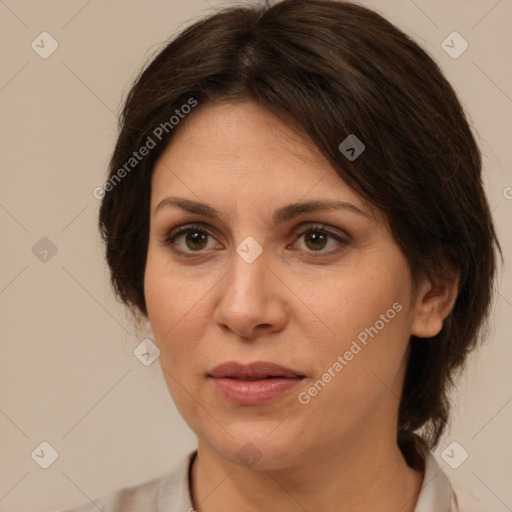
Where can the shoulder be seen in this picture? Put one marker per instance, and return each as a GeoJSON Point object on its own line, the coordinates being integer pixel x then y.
{"type": "Point", "coordinates": [464, 500]}
{"type": "Point", "coordinates": [439, 493]}
{"type": "Point", "coordinates": [127, 498]}
{"type": "Point", "coordinates": [168, 492]}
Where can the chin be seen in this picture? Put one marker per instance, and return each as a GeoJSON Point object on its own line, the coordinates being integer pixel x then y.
{"type": "Point", "coordinates": [263, 445]}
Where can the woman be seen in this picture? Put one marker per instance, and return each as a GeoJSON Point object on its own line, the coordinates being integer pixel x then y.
{"type": "Point", "coordinates": [295, 206]}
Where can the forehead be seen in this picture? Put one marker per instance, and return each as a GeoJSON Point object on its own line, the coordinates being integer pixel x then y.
{"type": "Point", "coordinates": [241, 150]}
{"type": "Point", "coordinates": [234, 132]}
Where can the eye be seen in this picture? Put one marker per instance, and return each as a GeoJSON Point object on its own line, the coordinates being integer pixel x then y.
{"type": "Point", "coordinates": [317, 237]}
{"type": "Point", "coordinates": [195, 239]}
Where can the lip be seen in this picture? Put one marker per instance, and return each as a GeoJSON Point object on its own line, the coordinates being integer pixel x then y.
{"type": "Point", "coordinates": [255, 383]}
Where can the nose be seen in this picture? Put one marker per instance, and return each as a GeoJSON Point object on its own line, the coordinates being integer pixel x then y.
{"type": "Point", "coordinates": [252, 299]}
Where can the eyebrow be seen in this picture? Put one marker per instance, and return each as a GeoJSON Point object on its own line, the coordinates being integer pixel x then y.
{"type": "Point", "coordinates": [283, 214]}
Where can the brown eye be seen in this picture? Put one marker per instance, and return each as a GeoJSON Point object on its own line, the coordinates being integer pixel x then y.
{"type": "Point", "coordinates": [317, 238]}
{"type": "Point", "coordinates": [188, 239]}
{"type": "Point", "coordinates": [195, 239]}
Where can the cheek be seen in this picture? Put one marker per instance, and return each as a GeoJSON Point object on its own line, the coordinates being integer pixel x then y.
{"type": "Point", "coordinates": [368, 364]}
{"type": "Point", "coordinates": [370, 317]}
{"type": "Point", "coordinates": [361, 305]}
{"type": "Point", "coordinates": [161, 294]}
{"type": "Point", "coordinates": [172, 306]}
{"type": "Point", "coordinates": [176, 309]}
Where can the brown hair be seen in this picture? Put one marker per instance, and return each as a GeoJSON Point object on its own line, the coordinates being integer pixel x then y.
{"type": "Point", "coordinates": [333, 69]}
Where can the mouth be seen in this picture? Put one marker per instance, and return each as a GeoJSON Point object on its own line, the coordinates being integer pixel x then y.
{"type": "Point", "coordinates": [253, 371]}
{"type": "Point", "coordinates": [251, 379]}
{"type": "Point", "coordinates": [254, 384]}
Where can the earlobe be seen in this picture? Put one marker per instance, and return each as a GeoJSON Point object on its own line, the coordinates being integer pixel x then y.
{"type": "Point", "coordinates": [435, 301]}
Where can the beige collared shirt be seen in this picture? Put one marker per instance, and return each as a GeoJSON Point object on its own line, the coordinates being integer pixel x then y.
{"type": "Point", "coordinates": [171, 493]}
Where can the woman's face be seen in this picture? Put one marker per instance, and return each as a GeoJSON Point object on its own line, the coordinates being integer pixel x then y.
{"type": "Point", "coordinates": [260, 281]}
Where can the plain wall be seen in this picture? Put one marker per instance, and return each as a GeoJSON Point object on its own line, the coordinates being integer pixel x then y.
{"type": "Point", "coordinates": [68, 375]}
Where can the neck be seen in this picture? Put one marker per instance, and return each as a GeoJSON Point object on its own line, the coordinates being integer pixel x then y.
{"type": "Point", "coordinates": [356, 477]}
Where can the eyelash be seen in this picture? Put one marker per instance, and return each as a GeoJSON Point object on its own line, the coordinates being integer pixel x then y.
{"type": "Point", "coordinates": [317, 228]}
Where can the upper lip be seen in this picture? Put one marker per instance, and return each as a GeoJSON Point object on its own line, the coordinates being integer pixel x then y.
{"type": "Point", "coordinates": [255, 370]}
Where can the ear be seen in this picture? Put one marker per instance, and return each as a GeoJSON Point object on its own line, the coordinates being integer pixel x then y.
{"type": "Point", "coordinates": [435, 300]}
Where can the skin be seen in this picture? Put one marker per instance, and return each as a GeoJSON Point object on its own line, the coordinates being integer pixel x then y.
{"type": "Point", "coordinates": [294, 305]}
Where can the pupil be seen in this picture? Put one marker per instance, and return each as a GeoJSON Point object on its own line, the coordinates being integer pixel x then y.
{"type": "Point", "coordinates": [319, 238]}
{"type": "Point", "coordinates": [196, 238]}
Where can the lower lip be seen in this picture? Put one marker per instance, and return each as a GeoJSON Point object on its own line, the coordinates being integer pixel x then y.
{"type": "Point", "coordinates": [256, 392]}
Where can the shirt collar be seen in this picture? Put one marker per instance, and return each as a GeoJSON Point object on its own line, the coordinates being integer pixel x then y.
{"type": "Point", "coordinates": [174, 491]}
{"type": "Point", "coordinates": [436, 491]}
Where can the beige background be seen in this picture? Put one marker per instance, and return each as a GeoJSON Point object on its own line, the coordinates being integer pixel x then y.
{"type": "Point", "coordinates": [67, 370]}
